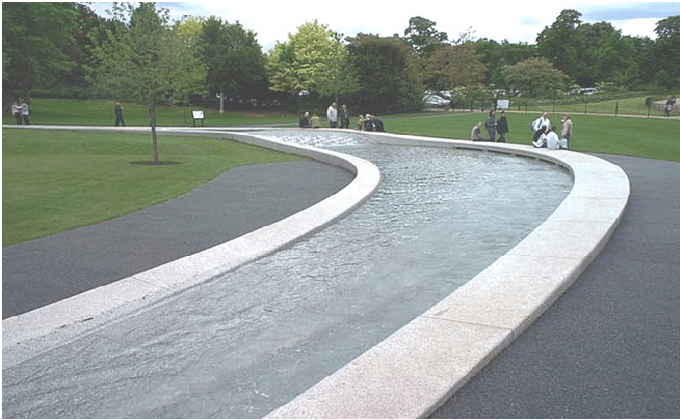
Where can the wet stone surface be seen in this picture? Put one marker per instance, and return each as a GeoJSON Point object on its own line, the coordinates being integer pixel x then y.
{"type": "Point", "coordinates": [250, 341]}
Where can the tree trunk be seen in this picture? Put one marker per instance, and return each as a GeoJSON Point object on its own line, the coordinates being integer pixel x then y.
{"type": "Point", "coordinates": [152, 115]}
{"type": "Point", "coordinates": [221, 102]}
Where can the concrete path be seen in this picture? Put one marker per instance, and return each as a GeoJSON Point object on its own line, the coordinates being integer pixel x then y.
{"type": "Point", "coordinates": [610, 346]}
{"type": "Point", "coordinates": [43, 271]}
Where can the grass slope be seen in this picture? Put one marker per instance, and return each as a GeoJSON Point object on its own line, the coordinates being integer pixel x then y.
{"type": "Point", "coordinates": [656, 138]}
{"type": "Point", "coordinates": [58, 180]}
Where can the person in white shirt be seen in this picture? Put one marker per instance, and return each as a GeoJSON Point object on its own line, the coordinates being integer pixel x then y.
{"type": "Point", "coordinates": [332, 114]}
{"type": "Point", "coordinates": [554, 142]}
{"type": "Point", "coordinates": [540, 126]}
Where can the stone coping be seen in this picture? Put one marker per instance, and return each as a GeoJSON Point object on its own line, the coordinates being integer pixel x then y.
{"type": "Point", "coordinates": [32, 333]}
{"type": "Point", "coordinates": [416, 369]}
{"type": "Point", "coordinates": [419, 367]}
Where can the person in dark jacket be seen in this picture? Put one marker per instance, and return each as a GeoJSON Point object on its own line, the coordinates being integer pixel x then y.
{"type": "Point", "coordinates": [344, 117]}
{"type": "Point", "coordinates": [118, 113]}
{"type": "Point", "coordinates": [491, 125]}
{"type": "Point", "coordinates": [304, 120]}
{"type": "Point", "coordinates": [502, 127]}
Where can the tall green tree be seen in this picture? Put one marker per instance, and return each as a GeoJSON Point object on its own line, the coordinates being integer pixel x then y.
{"type": "Point", "coordinates": [234, 60]}
{"type": "Point", "coordinates": [422, 36]}
{"type": "Point", "coordinates": [667, 52]}
{"type": "Point", "coordinates": [561, 43]}
{"type": "Point", "coordinates": [34, 37]}
{"type": "Point", "coordinates": [148, 63]}
{"type": "Point", "coordinates": [453, 66]}
{"type": "Point", "coordinates": [389, 74]}
{"type": "Point", "coordinates": [607, 56]}
{"type": "Point", "coordinates": [313, 59]}
{"type": "Point", "coordinates": [536, 75]}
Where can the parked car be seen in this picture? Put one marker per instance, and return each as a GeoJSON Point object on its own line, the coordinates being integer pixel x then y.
{"type": "Point", "coordinates": [434, 101]}
{"type": "Point", "coordinates": [588, 91]}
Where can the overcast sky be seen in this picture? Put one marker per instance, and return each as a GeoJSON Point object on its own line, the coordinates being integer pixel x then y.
{"type": "Point", "coordinates": [515, 21]}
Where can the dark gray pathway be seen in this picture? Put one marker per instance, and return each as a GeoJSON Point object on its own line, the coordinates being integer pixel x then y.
{"type": "Point", "coordinates": [39, 272]}
{"type": "Point", "coordinates": [610, 346]}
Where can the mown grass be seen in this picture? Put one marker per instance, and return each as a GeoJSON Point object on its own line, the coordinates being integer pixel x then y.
{"type": "Point", "coordinates": [655, 138]}
{"type": "Point", "coordinates": [100, 113]}
{"type": "Point", "coordinates": [57, 180]}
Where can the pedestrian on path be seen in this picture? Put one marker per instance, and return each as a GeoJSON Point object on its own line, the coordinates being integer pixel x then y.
{"type": "Point", "coordinates": [118, 112]}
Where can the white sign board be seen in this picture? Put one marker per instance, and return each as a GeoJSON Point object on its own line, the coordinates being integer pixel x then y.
{"type": "Point", "coordinates": [198, 115]}
{"type": "Point", "coordinates": [503, 104]}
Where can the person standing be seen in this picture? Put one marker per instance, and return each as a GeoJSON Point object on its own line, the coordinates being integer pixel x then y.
{"type": "Point", "coordinates": [491, 125]}
{"type": "Point", "coordinates": [304, 120]}
{"type": "Point", "coordinates": [567, 127]}
{"type": "Point", "coordinates": [344, 117]}
{"type": "Point", "coordinates": [332, 114]}
{"type": "Point", "coordinates": [16, 111]}
{"type": "Point", "coordinates": [502, 127]}
{"type": "Point", "coordinates": [24, 112]}
{"type": "Point", "coordinates": [118, 112]}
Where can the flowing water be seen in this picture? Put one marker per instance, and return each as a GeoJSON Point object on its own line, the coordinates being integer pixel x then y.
{"type": "Point", "coordinates": [250, 341]}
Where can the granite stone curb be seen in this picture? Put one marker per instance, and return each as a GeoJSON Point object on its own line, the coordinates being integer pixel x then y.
{"type": "Point", "coordinates": [27, 335]}
{"type": "Point", "coordinates": [419, 367]}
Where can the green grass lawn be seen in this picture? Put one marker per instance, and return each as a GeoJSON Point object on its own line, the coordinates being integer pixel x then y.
{"type": "Point", "coordinates": [652, 138]}
{"type": "Point", "coordinates": [58, 180]}
{"type": "Point", "coordinates": [100, 113]}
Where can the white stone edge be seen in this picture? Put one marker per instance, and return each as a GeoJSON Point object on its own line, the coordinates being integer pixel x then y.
{"type": "Point", "coordinates": [27, 335]}
{"type": "Point", "coordinates": [419, 367]}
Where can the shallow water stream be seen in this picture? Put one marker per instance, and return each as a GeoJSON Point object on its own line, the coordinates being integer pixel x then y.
{"type": "Point", "coordinates": [250, 341]}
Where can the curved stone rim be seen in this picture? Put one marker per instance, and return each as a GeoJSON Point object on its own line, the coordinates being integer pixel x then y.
{"type": "Point", "coordinates": [419, 367]}
{"type": "Point", "coordinates": [32, 333]}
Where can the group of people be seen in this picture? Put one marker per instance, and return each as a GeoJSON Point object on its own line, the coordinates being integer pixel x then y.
{"type": "Point", "coordinates": [21, 112]}
{"type": "Point", "coordinates": [545, 135]}
{"type": "Point", "coordinates": [340, 118]}
{"type": "Point", "coordinates": [492, 127]}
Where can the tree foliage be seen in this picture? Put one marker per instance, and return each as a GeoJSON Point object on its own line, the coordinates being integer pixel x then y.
{"type": "Point", "coordinates": [422, 36]}
{"type": "Point", "coordinates": [388, 72]}
{"type": "Point", "coordinates": [453, 65]}
{"type": "Point", "coordinates": [667, 51]}
{"type": "Point", "coordinates": [234, 61]}
{"type": "Point", "coordinates": [149, 63]}
{"type": "Point", "coordinates": [536, 75]}
{"type": "Point", "coordinates": [34, 36]}
{"type": "Point", "coordinates": [313, 59]}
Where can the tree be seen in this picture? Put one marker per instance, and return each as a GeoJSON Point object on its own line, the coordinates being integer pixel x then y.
{"type": "Point", "coordinates": [388, 72]}
{"type": "Point", "coordinates": [34, 36]}
{"type": "Point", "coordinates": [453, 65]}
{"type": "Point", "coordinates": [536, 75]}
{"type": "Point", "coordinates": [234, 59]}
{"type": "Point", "coordinates": [313, 59]}
{"type": "Point", "coordinates": [667, 51]}
{"type": "Point", "coordinates": [607, 55]}
{"type": "Point", "coordinates": [561, 43]}
{"type": "Point", "coordinates": [422, 36]}
{"type": "Point", "coordinates": [148, 63]}
{"type": "Point", "coordinates": [497, 56]}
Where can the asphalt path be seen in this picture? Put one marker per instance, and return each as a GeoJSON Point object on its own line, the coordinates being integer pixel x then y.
{"type": "Point", "coordinates": [610, 346]}
{"type": "Point", "coordinates": [42, 271]}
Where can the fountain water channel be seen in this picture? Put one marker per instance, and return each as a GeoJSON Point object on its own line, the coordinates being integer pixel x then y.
{"type": "Point", "coordinates": [250, 341]}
